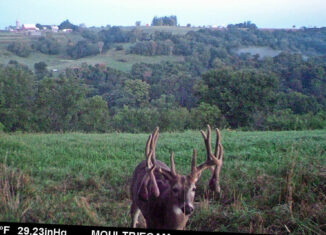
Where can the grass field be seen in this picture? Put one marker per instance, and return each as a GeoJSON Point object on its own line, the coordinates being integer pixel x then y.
{"type": "Point", "coordinates": [272, 182]}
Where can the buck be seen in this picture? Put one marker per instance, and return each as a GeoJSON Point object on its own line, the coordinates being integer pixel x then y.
{"type": "Point", "coordinates": [164, 197]}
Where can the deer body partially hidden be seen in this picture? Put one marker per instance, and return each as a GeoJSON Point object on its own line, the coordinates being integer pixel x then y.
{"type": "Point", "coordinates": [163, 211]}
{"type": "Point", "coordinates": [164, 197]}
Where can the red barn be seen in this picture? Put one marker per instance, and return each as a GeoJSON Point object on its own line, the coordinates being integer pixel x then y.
{"type": "Point", "coordinates": [29, 27]}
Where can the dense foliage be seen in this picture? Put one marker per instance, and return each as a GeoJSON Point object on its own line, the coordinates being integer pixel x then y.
{"type": "Point", "coordinates": [165, 21]}
{"type": "Point", "coordinates": [20, 48]}
{"type": "Point", "coordinates": [47, 45]}
{"type": "Point", "coordinates": [67, 25]}
{"type": "Point", "coordinates": [212, 82]}
{"type": "Point", "coordinates": [82, 49]}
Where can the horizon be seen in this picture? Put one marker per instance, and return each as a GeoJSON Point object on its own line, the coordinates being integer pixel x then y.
{"type": "Point", "coordinates": [99, 13]}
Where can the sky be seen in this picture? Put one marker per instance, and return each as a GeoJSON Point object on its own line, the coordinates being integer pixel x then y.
{"type": "Point", "coordinates": [264, 13]}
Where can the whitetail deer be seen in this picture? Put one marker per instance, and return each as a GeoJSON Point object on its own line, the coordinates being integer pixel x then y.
{"type": "Point", "coordinates": [164, 197]}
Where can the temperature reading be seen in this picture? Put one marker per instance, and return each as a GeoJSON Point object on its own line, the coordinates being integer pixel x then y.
{"type": "Point", "coordinates": [4, 229]}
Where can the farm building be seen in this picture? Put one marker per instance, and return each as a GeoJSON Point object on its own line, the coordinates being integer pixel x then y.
{"type": "Point", "coordinates": [29, 27]}
{"type": "Point", "coordinates": [54, 28]}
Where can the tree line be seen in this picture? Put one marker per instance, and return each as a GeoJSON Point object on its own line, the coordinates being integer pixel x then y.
{"type": "Point", "coordinates": [100, 99]}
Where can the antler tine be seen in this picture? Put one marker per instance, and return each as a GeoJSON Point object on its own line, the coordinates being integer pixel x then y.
{"type": "Point", "coordinates": [193, 163]}
{"type": "Point", "coordinates": [207, 141]}
{"type": "Point", "coordinates": [211, 159]}
{"type": "Point", "coordinates": [173, 171]}
{"type": "Point", "coordinates": [154, 140]}
{"type": "Point", "coordinates": [147, 147]}
{"type": "Point", "coordinates": [218, 161]}
{"type": "Point", "coordinates": [153, 179]}
{"type": "Point", "coordinates": [150, 147]}
{"type": "Point", "coordinates": [218, 145]}
{"type": "Point", "coordinates": [150, 163]}
{"type": "Point", "coordinates": [220, 157]}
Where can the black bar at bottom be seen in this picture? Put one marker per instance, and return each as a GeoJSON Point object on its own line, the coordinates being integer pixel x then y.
{"type": "Point", "coordinates": [58, 229]}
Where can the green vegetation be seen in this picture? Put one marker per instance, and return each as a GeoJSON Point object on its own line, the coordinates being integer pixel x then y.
{"type": "Point", "coordinates": [132, 79]}
{"type": "Point", "coordinates": [272, 182]}
{"type": "Point", "coordinates": [291, 95]}
{"type": "Point", "coordinates": [20, 49]}
{"type": "Point", "coordinates": [47, 45]}
{"type": "Point", "coordinates": [165, 21]}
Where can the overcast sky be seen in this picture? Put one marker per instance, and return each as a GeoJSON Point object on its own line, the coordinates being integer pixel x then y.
{"type": "Point", "coordinates": [264, 13]}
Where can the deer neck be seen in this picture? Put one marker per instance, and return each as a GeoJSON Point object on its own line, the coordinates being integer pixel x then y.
{"type": "Point", "coordinates": [166, 216]}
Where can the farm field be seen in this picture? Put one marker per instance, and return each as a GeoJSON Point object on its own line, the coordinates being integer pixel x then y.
{"type": "Point", "coordinates": [261, 51]}
{"type": "Point", "coordinates": [272, 182]}
{"type": "Point", "coordinates": [120, 60]}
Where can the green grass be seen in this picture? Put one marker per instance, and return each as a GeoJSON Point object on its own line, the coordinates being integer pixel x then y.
{"type": "Point", "coordinates": [84, 179]}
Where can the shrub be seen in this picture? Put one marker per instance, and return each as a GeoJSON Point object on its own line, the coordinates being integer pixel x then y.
{"type": "Point", "coordinates": [20, 48]}
{"type": "Point", "coordinates": [93, 115]}
{"type": "Point", "coordinates": [82, 49]}
{"type": "Point", "coordinates": [48, 45]}
{"type": "Point", "coordinates": [119, 48]}
{"type": "Point", "coordinates": [2, 127]}
{"type": "Point", "coordinates": [136, 120]}
{"type": "Point", "coordinates": [176, 119]}
{"type": "Point", "coordinates": [207, 114]}
{"type": "Point", "coordinates": [287, 120]}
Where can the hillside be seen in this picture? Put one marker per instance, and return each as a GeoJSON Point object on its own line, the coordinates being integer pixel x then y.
{"type": "Point", "coordinates": [238, 77]}
{"type": "Point", "coordinates": [123, 60]}
{"type": "Point", "coordinates": [120, 60]}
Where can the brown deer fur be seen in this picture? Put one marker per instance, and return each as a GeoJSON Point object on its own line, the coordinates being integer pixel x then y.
{"type": "Point", "coordinates": [164, 197]}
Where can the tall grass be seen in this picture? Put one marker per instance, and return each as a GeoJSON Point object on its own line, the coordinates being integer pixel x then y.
{"type": "Point", "coordinates": [272, 182]}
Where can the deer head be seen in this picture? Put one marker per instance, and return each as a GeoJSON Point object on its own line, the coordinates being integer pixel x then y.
{"type": "Point", "coordinates": [165, 197]}
{"type": "Point", "coordinates": [216, 159]}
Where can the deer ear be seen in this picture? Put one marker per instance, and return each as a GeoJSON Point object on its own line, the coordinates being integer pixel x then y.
{"type": "Point", "coordinates": [163, 185]}
{"type": "Point", "coordinates": [148, 189]}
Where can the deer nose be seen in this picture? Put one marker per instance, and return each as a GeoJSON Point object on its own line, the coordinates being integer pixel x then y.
{"type": "Point", "coordinates": [187, 209]}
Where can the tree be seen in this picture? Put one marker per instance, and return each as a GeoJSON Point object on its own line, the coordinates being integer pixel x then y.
{"type": "Point", "coordinates": [58, 102]}
{"type": "Point", "coordinates": [137, 92]}
{"type": "Point", "coordinates": [21, 49]}
{"type": "Point", "coordinates": [239, 94]}
{"type": "Point", "coordinates": [165, 21]}
{"type": "Point", "coordinates": [47, 45]}
{"type": "Point", "coordinates": [136, 120]}
{"type": "Point", "coordinates": [67, 25]}
{"type": "Point", "coordinates": [82, 49]}
{"type": "Point", "coordinates": [16, 97]}
{"type": "Point", "coordinates": [114, 35]}
{"type": "Point", "coordinates": [206, 114]}
{"type": "Point", "coordinates": [41, 70]}
{"type": "Point", "coordinates": [175, 119]}
{"type": "Point", "coordinates": [38, 25]}
{"type": "Point", "coordinates": [93, 115]}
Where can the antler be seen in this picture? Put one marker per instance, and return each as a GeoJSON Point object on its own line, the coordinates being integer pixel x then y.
{"type": "Point", "coordinates": [150, 163]}
{"type": "Point", "coordinates": [172, 165]}
{"type": "Point", "coordinates": [215, 159]}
